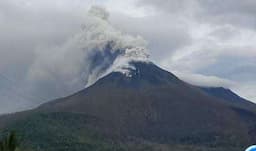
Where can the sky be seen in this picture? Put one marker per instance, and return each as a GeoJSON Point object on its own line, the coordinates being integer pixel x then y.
{"type": "Point", "coordinates": [203, 42]}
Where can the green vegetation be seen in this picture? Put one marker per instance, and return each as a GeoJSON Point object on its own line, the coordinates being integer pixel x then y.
{"type": "Point", "coordinates": [9, 143]}
{"type": "Point", "coordinates": [64, 132]}
{"type": "Point", "coordinates": [79, 132]}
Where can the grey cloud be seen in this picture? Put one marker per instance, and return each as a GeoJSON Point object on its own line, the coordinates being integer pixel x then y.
{"type": "Point", "coordinates": [204, 80]}
{"type": "Point", "coordinates": [236, 12]}
{"type": "Point", "coordinates": [165, 34]}
{"type": "Point", "coordinates": [23, 30]}
{"type": "Point", "coordinates": [173, 6]}
{"type": "Point", "coordinates": [219, 7]}
{"type": "Point", "coordinates": [235, 68]}
{"type": "Point", "coordinates": [225, 32]}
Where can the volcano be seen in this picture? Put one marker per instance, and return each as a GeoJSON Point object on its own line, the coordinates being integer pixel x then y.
{"type": "Point", "coordinates": [141, 106]}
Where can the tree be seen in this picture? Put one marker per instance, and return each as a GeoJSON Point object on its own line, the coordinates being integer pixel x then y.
{"type": "Point", "coordinates": [9, 143]}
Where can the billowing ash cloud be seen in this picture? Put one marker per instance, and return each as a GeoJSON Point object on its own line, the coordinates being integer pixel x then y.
{"type": "Point", "coordinates": [96, 50]}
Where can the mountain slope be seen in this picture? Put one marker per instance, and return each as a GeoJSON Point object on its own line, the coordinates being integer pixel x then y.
{"type": "Point", "coordinates": [154, 104]}
{"type": "Point", "coordinates": [150, 104]}
{"type": "Point", "coordinates": [229, 97]}
{"type": "Point", "coordinates": [223, 93]}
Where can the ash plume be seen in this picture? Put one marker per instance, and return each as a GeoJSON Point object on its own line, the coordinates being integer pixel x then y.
{"type": "Point", "coordinates": [96, 50]}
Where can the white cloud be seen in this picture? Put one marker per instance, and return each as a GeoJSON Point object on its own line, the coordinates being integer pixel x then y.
{"type": "Point", "coordinates": [246, 90]}
{"type": "Point", "coordinates": [205, 81]}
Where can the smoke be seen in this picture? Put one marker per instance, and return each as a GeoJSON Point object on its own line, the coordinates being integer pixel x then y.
{"type": "Point", "coordinates": [95, 51]}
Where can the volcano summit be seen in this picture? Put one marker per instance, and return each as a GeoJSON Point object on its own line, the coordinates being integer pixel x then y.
{"type": "Point", "coordinates": [138, 107]}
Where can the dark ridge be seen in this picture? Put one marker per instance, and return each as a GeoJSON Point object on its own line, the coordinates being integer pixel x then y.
{"type": "Point", "coordinates": [222, 93]}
